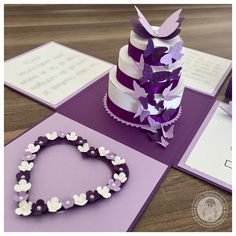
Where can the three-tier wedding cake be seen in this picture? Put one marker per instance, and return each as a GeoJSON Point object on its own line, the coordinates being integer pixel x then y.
{"type": "Point", "coordinates": [145, 88]}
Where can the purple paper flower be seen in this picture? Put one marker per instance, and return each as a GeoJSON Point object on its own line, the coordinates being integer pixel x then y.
{"type": "Point", "coordinates": [93, 196]}
{"type": "Point", "coordinates": [23, 175]}
{"type": "Point", "coordinates": [110, 155]}
{"type": "Point", "coordinates": [39, 207]}
{"type": "Point", "coordinates": [121, 168]}
{"type": "Point", "coordinates": [29, 156]}
{"type": "Point", "coordinates": [92, 152]}
{"type": "Point", "coordinates": [42, 141]}
{"type": "Point", "coordinates": [114, 185]}
{"type": "Point", "coordinates": [21, 196]}
{"type": "Point", "coordinates": [80, 141]}
{"type": "Point", "coordinates": [68, 203]}
{"type": "Point", "coordinates": [62, 134]}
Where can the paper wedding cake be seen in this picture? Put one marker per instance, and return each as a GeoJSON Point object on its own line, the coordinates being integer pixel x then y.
{"type": "Point", "coordinates": [145, 88]}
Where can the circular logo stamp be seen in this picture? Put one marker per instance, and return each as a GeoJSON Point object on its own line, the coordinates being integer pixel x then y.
{"type": "Point", "coordinates": [209, 209]}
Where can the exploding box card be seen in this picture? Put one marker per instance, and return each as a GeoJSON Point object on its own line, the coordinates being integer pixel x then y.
{"type": "Point", "coordinates": [61, 171]}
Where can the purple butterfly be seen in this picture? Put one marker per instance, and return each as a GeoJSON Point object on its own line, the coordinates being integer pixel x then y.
{"type": "Point", "coordinates": [141, 113]}
{"type": "Point", "coordinates": [154, 126]}
{"type": "Point", "coordinates": [167, 114]}
{"type": "Point", "coordinates": [168, 29]}
{"type": "Point", "coordinates": [169, 133]}
{"type": "Point", "coordinates": [155, 53]}
{"type": "Point", "coordinates": [167, 93]}
{"type": "Point", "coordinates": [174, 53]}
{"type": "Point", "coordinates": [163, 142]}
{"type": "Point", "coordinates": [138, 91]}
{"type": "Point", "coordinates": [167, 75]}
{"type": "Point", "coordinates": [160, 105]}
{"type": "Point", "coordinates": [144, 102]}
{"type": "Point", "coordinates": [147, 74]}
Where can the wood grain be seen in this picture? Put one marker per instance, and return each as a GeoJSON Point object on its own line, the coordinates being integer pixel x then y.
{"type": "Point", "coordinates": [100, 30]}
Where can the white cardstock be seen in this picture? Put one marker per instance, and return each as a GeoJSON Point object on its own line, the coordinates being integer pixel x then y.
{"type": "Point", "coordinates": [52, 72]}
{"type": "Point", "coordinates": [212, 153]}
{"type": "Point", "coordinates": [204, 72]}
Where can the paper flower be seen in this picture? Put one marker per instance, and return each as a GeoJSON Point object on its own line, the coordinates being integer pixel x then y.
{"type": "Point", "coordinates": [121, 177]}
{"type": "Point", "coordinates": [20, 196]}
{"type": "Point", "coordinates": [80, 141]}
{"type": "Point", "coordinates": [32, 148]}
{"type": "Point", "coordinates": [29, 156]}
{"type": "Point", "coordinates": [71, 136]}
{"type": "Point", "coordinates": [114, 185]}
{"type": "Point", "coordinates": [62, 134]}
{"type": "Point", "coordinates": [51, 136]}
{"type": "Point", "coordinates": [83, 148]}
{"type": "Point", "coordinates": [54, 204]}
{"type": "Point", "coordinates": [22, 186]}
{"type": "Point", "coordinates": [25, 166]}
{"type": "Point", "coordinates": [24, 208]}
{"type": "Point", "coordinates": [121, 168]}
{"type": "Point", "coordinates": [110, 155]}
{"type": "Point", "coordinates": [81, 199]}
{"type": "Point", "coordinates": [103, 151]}
{"type": "Point", "coordinates": [68, 203]}
{"type": "Point", "coordinates": [42, 141]}
{"type": "Point", "coordinates": [92, 152]}
{"type": "Point", "coordinates": [104, 191]}
{"type": "Point", "coordinates": [23, 175]}
{"type": "Point", "coordinates": [118, 161]}
{"type": "Point", "coordinates": [92, 196]}
{"type": "Point", "coordinates": [39, 207]}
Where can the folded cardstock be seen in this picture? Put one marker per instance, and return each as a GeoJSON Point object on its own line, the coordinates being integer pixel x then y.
{"type": "Point", "coordinates": [52, 73]}
{"type": "Point", "coordinates": [210, 153]}
{"type": "Point", "coordinates": [60, 171]}
{"type": "Point", "coordinates": [204, 72]}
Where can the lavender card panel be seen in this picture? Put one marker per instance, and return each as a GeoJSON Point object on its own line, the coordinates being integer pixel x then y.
{"type": "Point", "coordinates": [61, 171]}
{"type": "Point", "coordinates": [180, 163]}
{"type": "Point", "coordinates": [87, 108]}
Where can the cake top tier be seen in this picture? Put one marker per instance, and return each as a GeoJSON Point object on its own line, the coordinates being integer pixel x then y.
{"type": "Point", "coordinates": [169, 29]}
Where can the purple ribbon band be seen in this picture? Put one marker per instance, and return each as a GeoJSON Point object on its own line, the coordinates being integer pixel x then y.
{"type": "Point", "coordinates": [136, 53]}
{"type": "Point", "coordinates": [129, 116]}
{"type": "Point", "coordinates": [127, 81]}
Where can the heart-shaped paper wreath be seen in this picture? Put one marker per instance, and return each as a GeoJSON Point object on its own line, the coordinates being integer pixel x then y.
{"type": "Point", "coordinates": [120, 173]}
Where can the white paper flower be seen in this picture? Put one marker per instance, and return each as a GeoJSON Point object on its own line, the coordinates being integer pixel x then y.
{"type": "Point", "coordinates": [72, 136]}
{"type": "Point", "coordinates": [25, 166]}
{"type": "Point", "coordinates": [121, 176]}
{"type": "Point", "coordinates": [32, 148]}
{"type": "Point", "coordinates": [24, 208]}
{"type": "Point", "coordinates": [54, 204]}
{"type": "Point", "coordinates": [104, 191]}
{"type": "Point", "coordinates": [103, 151]}
{"type": "Point", "coordinates": [52, 136]}
{"type": "Point", "coordinates": [22, 186]}
{"type": "Point", "coordinates": [83, 148]}
{"type": "Point", "coordinates": [118, 161]}
{"type": "Point", "coordinates": [81, 199]}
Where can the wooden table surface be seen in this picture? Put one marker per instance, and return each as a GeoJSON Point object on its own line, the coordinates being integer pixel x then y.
{"type": "Point", "coordinates": [100, 30]}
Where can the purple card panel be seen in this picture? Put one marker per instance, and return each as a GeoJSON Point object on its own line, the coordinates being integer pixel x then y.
{"type": "Point", "coordinates": [87, 108]}
{"type": "Point", "coordinates": [61, 171]}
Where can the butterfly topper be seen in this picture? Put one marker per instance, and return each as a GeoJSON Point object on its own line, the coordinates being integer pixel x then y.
{"type": "Point", "coordinates": [168, 29]}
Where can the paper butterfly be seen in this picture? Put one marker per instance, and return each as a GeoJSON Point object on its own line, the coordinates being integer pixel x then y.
{"type": "Point", "coordinates": [159, 139]}
{"type": "Point", "coordinates": [166, 93]}
{"type": "Point", "coordinates": [141, 113]}
{"type": "Point", "coordinates": [168, 30]}
{"type": "Point", "coordinates": [174, 53]}
{"type": "Point", "coordinates": [155, 53]}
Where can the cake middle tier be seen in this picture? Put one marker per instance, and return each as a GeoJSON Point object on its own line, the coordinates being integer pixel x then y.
{"type": "Point", "coordinates": [124, 98]}
{"type": "Point", "coordinates": [127, 70]}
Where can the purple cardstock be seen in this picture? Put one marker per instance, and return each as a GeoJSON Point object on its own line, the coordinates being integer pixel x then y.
{"type": "Point", "coordinates": [87, 108]}
{"type": "Point", "coordinates": [60, 171]}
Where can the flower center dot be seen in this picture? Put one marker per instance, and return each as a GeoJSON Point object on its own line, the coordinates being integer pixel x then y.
{"type": "Point", "coordinates": [113, 185]}
{"type": "Point", "coordinates": [40, 142]}
{"type": "Point", "coordinates": [21, 198]}
{"type": "Point", "coordinates": [80, 141]}
{"type": "Point", "coordinates": [121, 169]}
{"type": "Point", "coordinates": [39, 208]}
{"type": "Point", "coordinates": [67, 202]}
{"type": "Point", "coordinates": [92, 197]}
{"type": "Point", "coordinates": [22, 177]}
